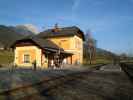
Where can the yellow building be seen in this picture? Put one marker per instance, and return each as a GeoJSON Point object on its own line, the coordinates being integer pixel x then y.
{"type": "Point", "coordinates": [66, 44]}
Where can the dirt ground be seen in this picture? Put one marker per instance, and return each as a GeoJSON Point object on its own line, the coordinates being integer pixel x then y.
{"type": "Point", "coordinates": [93, 85]}
{"type": "Point", "coordinates": [96, 85]}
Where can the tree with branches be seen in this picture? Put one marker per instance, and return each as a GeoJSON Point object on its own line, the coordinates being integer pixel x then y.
{"type": "Point", "coordinates": [91, 46]}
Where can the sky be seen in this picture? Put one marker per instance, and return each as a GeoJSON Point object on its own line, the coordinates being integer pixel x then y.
{"type": "Point", "coordinates": [110, 21]}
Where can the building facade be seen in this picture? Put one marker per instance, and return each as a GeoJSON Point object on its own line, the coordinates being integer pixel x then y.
{"type": "Point", "coordinates": [66, 44]}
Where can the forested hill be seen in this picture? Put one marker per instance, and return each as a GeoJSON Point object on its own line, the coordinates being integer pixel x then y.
{"type": "Point", "coordinates": [8, 36]}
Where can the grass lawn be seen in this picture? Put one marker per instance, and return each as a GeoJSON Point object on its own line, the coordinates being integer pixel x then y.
{"type": "Point", "coordinates": [6, 57]}
{"type": "Point", "coordinates": [97, 61]}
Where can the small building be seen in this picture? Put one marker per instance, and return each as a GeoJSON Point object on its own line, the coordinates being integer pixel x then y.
{"type": "Point", "coordinates": [53, 46]}
{"type": "Point", "coordinates": [30, 50]}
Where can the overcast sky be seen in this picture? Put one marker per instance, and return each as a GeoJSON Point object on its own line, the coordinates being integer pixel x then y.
{"type": "Point", "coordinates": [110, 21]}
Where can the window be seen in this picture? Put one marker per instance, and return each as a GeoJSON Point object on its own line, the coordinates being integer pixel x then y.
{"type": "Point", "coordinates": [64, 40]}
{"type": "Point", "coordinates": [26, 58]}
{"type": "Point", "coordinates": [77, 44]}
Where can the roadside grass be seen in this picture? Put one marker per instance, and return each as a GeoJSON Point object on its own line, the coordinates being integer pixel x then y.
{"type": "Point", "coordinates": [6, 57]}
{"type": "Point", "coordinates": [127, 61]}
{"type": "Point", "coordinates": [86, 63]}
{"type": "Point", "coordinates": [103, 61]}
{"type": "Point", "coordinates": [97, 61]}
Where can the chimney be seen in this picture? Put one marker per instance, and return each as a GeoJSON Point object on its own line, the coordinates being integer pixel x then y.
{"type": "Point", "coordinates": [56, 28]}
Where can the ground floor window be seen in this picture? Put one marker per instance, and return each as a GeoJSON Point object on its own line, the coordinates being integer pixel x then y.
{"type": "Point", "coordinates": [26, 58]}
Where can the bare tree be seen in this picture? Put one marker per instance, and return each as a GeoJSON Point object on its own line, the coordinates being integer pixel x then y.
{"type": "Point", "coordinates": [91, 45]}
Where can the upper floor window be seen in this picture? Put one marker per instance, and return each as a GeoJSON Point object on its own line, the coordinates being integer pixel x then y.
{"type": "Point", "coordinates": [26, 58]}
{"type": "Point", "coordinates": [64, 40]}
{"type": "Point", "coordinates": [77, 44]}
{"type": "Point", "coordinates": [64, 43]}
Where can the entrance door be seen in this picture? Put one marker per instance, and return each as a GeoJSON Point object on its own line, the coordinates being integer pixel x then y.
{"type": "Point", "coordinates": [50, 61]}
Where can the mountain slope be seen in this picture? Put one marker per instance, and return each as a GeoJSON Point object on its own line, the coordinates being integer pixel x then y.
{"type": "Point", "coordinates": [26, 29]}
{"type": "Point", "coordinates": [8, 36]}
{"type": "Point", "coordinates": [101, 54]}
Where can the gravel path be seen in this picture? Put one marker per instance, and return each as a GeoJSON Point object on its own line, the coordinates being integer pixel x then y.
{"type": "Point", "coordinates": [96, 85]}
{"type": "Point", "coordinates": [111, 67]}
{"type": "Point", "coordinates": [93, 85]}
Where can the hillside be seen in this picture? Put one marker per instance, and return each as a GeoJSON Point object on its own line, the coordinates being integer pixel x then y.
{"type": "Point", "coordinates": [26, 29]}
{"type": "Point", "coordinates": [8, 36]}
{"type": "Point", "coordinates": [102, 56]}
